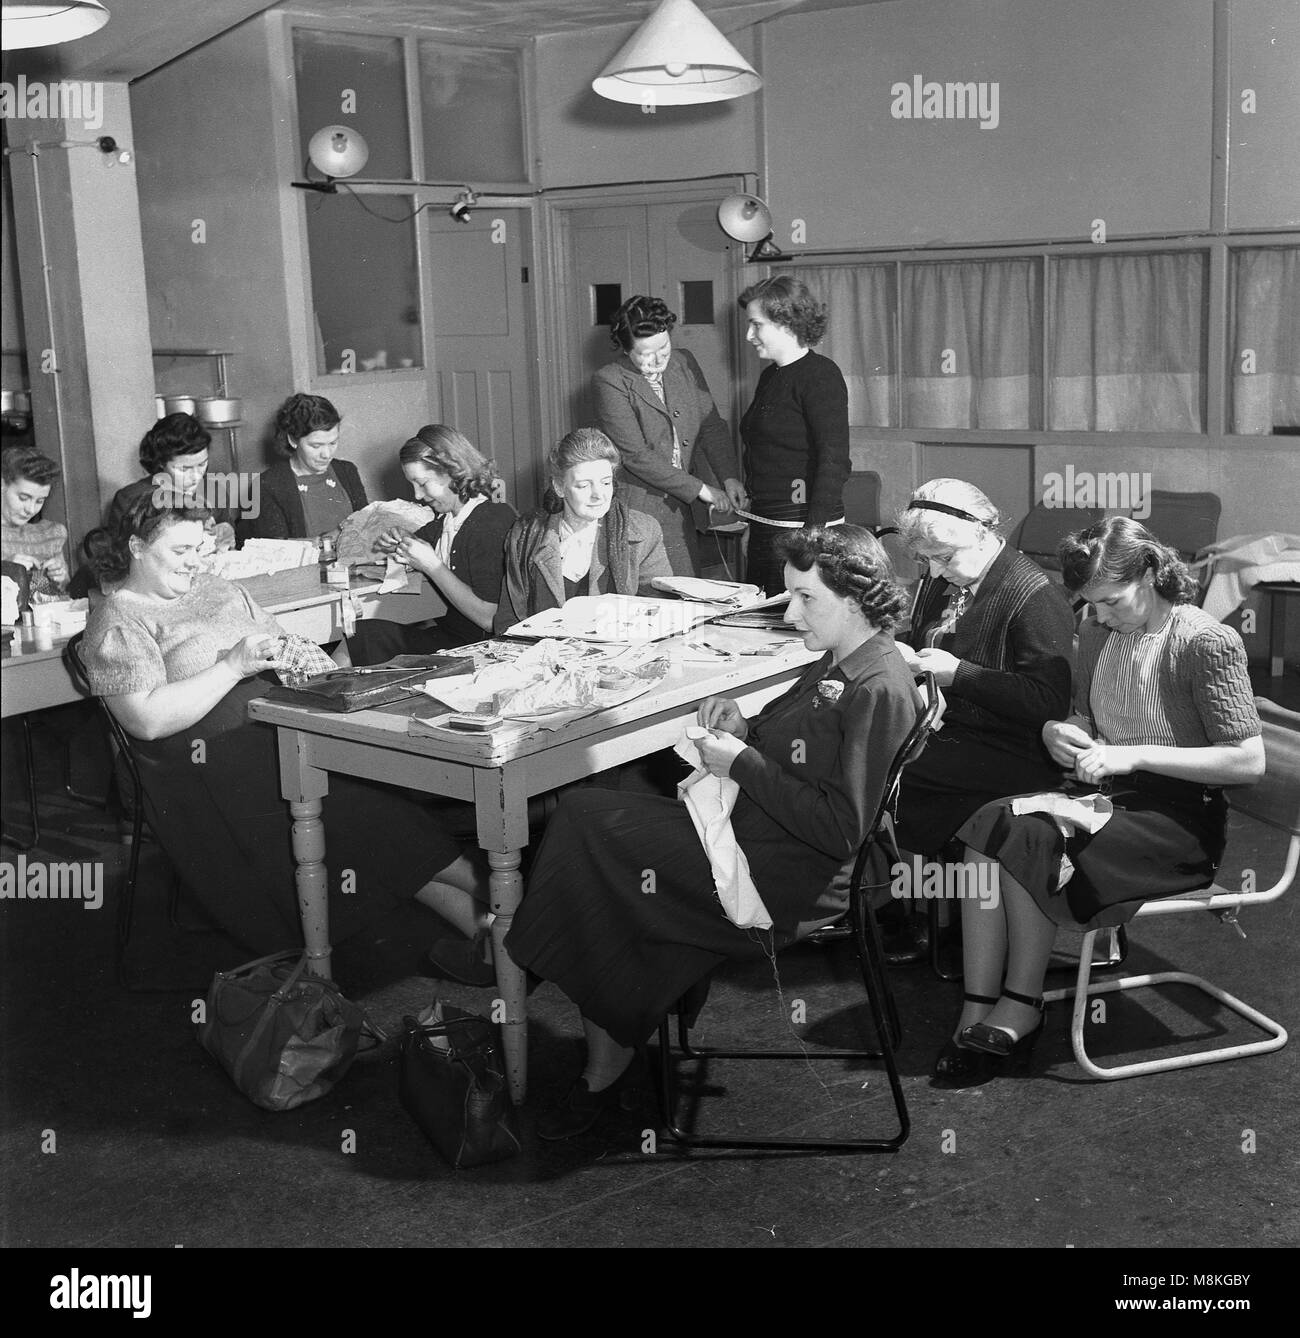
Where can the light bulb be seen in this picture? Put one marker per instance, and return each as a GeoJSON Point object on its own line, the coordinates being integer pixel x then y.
{"type": "Point", "coordinates": [677, 68]}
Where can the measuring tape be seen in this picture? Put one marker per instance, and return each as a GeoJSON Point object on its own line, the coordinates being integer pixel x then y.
{"type": "Point", "coordinates": [780, 524]}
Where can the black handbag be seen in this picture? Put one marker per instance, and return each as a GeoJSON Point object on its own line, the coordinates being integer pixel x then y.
{"type": "Point", "coordinates": [453, 1086]}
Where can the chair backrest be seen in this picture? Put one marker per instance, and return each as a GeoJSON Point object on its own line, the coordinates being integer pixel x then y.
{"type": "Point", "coordinates": [912, 748]}
{"type": "Point", "coordinates": [1040, 533]}
{"type": "Point", "coordinates": [862, 499]}
{"type": "Point", "coordinates": [122, 741]}
{"type": "Point", "coordinates": [1187, 521]}
{"type": "Point", "coordinates": [1275, 798]}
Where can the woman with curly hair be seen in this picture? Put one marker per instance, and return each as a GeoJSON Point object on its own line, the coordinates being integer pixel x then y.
{"type": "Point", "coordinates": [311, 492]}
{"type": "Point", "coordinates": [1163, 719]}
{"type": "Point", "coordinates": [796, 430]}
{"type": "Point", "coordinates": [655, 406]}
{"type": "Point", "coordinates": [811, 767]}
{"type": "Point", "coordinates": [460, 551]}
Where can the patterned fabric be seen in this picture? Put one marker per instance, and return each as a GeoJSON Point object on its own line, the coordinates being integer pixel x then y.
{"type": "Point", "coordinates": [299, 659]}
{"type": "Point", "coordinates": [655, 380]}
{"type": "Point", "coordinates": [1126, 698]}
{"type": "Point", "coordinates": [958, 599]}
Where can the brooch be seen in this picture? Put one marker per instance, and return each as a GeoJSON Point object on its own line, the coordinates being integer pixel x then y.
{"type": "Point", "coordinates": [829, 689]}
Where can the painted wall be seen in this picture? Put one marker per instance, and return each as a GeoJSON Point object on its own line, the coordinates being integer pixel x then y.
{"type": "Point", "coordinates": [1089, 96]}
{"type": "Point", "coordinates": [583, 139]}
{"type": "Point", "coordinates": [11, 304]}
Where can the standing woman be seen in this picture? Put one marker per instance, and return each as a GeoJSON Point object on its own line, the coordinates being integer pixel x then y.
{"type": "Point", "coordinates": [460, 551]}
{"type": "Point", "coordinates": [583, 541]}
{"type": "Point", "coordinates": [310, 493]}
{"type": "Point", "coordinates": [796, 430]}
{"type": "Point", "coordinates": [654, 405]}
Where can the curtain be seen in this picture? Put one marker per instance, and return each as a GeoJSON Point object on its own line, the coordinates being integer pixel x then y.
{"type": "Point", "coordinates": [859, 334]}
{"type": "Point", "coordinates": [1265, 340]}
{"type": "Point", "coordinates": [971, 347]}
{"type": "Point", "coordinates": [1127, 343]}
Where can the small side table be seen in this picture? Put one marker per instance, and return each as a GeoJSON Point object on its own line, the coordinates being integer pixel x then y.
{"type": "Point", "coordinates": [1278, 592]}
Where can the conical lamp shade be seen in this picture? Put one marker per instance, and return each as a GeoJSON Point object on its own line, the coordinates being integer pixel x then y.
{"type": "Point", "coordinates": [338, 151]}
{"type": "Point", "coordinates": [677, 57]}
{"type": "Point", "coordinates": [24, 24]}
{"type": "Point", "coordinates": [745, 217]}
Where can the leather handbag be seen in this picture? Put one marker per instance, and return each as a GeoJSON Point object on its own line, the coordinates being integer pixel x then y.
{"type": "Point", "coordinates": [453, 1086]}
{"type": "Point", "coordinates": [374, 685]}
{"type": "Point", "coordinates": [282, 1036]}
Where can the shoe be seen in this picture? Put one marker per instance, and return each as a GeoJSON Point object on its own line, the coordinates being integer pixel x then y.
{"type": "Point", "coordinates": [960, 1065]}
{"type": "Point", "coordinates": [1000, 1042]}
{"type": "Point", "coordinates": [461, 960]}
{"type": "Point", "coordinates": [909, 945]}
{"type": "Point", "coordinates": [581, 1108]}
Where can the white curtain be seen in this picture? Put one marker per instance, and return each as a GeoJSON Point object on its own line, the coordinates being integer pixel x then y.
{"type": "Point", "coordinates": [1265, 340]}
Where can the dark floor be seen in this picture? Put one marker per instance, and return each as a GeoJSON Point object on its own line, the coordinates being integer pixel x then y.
{"type": "Point", "coordinates": [119, 1130]}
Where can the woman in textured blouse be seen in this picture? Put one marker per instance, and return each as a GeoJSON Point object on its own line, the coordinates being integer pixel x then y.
{"type": "Point", "coordinates": [460, 552]}
{"type": "Point", "coordinates": [311, 492]}
{"type": "Point", "coordinates": [177, 655]}
{"type": "Point", "coordinates": [41, 546]}
{"type": "Point", "coordinates": [796, 429]}
{"type": "Point", "coordinates": [654, 405]}
{"type": "Point", "coordinates": [1164, 718]}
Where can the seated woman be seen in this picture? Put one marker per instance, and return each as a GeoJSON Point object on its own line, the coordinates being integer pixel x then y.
{"type": "Point", "coordinates": [1163, 719]}
{"type": "Point", "coordinates": [999, 638]}
{"type": "Point", "coordinates": [461, 552]}
{"type": "Point", "coordinates": [583, 541]}
{"type": "Point", "coordinates": [178, 655]}
{"type": "Point", "coordinates": [174, 457]}
{"type": "Point", "coordinates": [310, 493]}
{"type": "Point", "coordinates": [41, 546]}
{"type": "Point", "coordinates": [811, 768]}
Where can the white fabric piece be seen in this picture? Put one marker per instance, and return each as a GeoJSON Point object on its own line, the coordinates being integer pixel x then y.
{"type": "Point", "coordinates": [1237, 565]}
{"type": "Point", "coordinates": [1071, 813]}
{"type": "Point", "coordinates": [709, 800]}
{"type": "Point", "coordinates": [451, 525]}
{"type": "Point", "coordinates": [576, 547]}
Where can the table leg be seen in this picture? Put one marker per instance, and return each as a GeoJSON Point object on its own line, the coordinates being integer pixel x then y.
{"type": "Point", "coordinates": [507, 887]}
{"type": "Point", "coordinates": [1276, 634]}
{"type": "Point", "coordinates": [304, 786]}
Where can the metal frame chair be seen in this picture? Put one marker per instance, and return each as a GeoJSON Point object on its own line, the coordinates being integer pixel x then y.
{"type": "Point", "coordinates": [884, 1013]}
{"type": "Point", "coordinates": [1274, 801]}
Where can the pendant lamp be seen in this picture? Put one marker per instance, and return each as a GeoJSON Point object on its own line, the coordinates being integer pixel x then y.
{"type": "Point", "coordinates": [24, 24]}
{"type": "Point", "coordinates": [676, 58]}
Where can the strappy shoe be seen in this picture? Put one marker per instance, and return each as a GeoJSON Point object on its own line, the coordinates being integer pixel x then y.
{"type": "Point", "coordinates": [960, 1065]}
{"type": "Point", "coordinates": [999, 1042]}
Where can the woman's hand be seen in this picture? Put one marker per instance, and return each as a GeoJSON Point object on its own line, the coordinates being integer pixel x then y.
{"type": "Point", "coordinates": [388, 541]}
{"type": "Point", "coordinates": [715, 498]}
{"type": "Point", "coordinates": [252, 655]}
{"type": "Point", "coordinates": [909, 656]}
{"type": "Point", "coordinates": [718, 751]}
{"type": "Point", "coordinates": [418, 554]}
{"type": "Point", "coordinates": [1103, 759]}
{"type": "Point", "coordinates": [1065, 742]}
{"type": "Point", "coordinates": [56, 569]}
{"type": "Point", "coordinates": [736, 491]}
{"type": "Point", "coordinates": [940, 663]}
{"type": "Point", "coordinates": [721, 713]}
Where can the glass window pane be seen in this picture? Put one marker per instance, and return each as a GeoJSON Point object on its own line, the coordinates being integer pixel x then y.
{"type": "Point", "coordinates": [697, 302]}
{"type": "Point", "coordinates": [365, 285]}
{"type": "Point", "coordinates": [1128, 343]}
{"type": "Point", "coordinates": [606, 298]}
{"type": "Point", "coordinates": [360, 82]}
{"type": "Point", "coordinates": [1264, 340]}
{"type": "Point", "coordinates": [472, 105]}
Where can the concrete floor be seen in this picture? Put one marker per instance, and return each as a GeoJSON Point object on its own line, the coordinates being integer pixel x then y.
{"type": "Point", "coordinates": [154, 1147]}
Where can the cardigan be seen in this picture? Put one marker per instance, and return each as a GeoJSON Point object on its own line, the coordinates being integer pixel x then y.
{"type": "Point", "coordinates": [279, 513]}
{"type": "Point", "coordinates": [477, 558]}
{"type": "Point", "coordinates": [641, 425]}
{"type": "Point", "coordinates": [1015, 642]}
{"type": "Point", "coordinates": [1203, 681]}
{"type": "Point", "coordinates": [630, 547]}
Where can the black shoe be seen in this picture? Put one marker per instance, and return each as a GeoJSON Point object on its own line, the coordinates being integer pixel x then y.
{"type": "Point", "coordinates": [461, 960]}
{"type": "Point", "coordinates": [909, 945]}
{"type": "Point", "coordinates": [580, 1108]}
{"type": "Point", "coordinates": [960, 1065]}
{"type": "Point", "coordinates": [1001, 1043]}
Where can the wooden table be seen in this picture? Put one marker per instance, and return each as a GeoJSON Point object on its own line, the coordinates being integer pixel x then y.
{"type": "Point", "coordinates": [498, 776]}
{"type": "Point", "coordinates": [32, 680]}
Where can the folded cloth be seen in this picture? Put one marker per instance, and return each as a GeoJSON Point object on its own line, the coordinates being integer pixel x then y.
{"type": "Point", "coordinates": [297, 659]}
{"type": "Point", "coordinates": [709, 800]}
{"type": "Point", "coordinates": [359, 531]}
{"type": "Point", "coordinates": [1237, 565]}
{"type": "Point", "coordinates": [1071, 813]}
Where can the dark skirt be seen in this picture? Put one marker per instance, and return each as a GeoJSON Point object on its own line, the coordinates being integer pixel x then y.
{"type": "Point", "coordinates": [212, 797]}
{"type": "Point", "coordinates": [958, 773]}
{"type": "Point", "coordinates": [1165, 837]}
{"type": "Point", "coordinates": [621, 911]}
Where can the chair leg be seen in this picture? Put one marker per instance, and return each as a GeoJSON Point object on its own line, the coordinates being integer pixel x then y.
{"type": "Point", "coordinates": [1083, 989]}
{"type": "Point", "coordinates": [932, 911]}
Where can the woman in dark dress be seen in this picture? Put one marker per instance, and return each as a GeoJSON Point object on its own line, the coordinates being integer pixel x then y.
{"type": "Point", "coordinates": [621, 911]}
{"type": "Point", "coordinates": [654, 405]}
{"type": "Point", "coordinates": [1164, 718]}
{"type": "Point", "coordinates": [177, 656]}
{"type": "Point", "coordinates": [311, 492]}
{"type": "Point", "coordinates": [460, 552]}
{"type": "Point", "coordinates": [796, 430]}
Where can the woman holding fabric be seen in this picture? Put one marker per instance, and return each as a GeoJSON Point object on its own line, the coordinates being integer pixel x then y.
{"type": "Point", "coordinates": [1163, 720]}
{"type": "Point", "coordinates": [311, 492]}
{"type": "Point", "coordinates": [40, 546]}
{"type": "Point", "coordinates": [621, 911]}
{"type": "Point", "coordinates": [460, 552]}
{"type": "Point", "coordinates": [178, 655]}
{"type": "Point", "coordinates": [583, 541]}
{"type": "Point", "coordinates": [796, 430]}
{"type": "Point", "coordinates": [675, 450]}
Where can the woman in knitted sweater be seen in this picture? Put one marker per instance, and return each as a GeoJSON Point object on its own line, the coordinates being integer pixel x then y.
{"type": "Point", "coordinates": [1164, 718]}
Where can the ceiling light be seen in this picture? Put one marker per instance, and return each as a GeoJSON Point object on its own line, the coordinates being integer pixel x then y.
{"type": "Point", "coordinates": [23, 24]}
{"type": "Point", "coordinates": [677, 57]}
